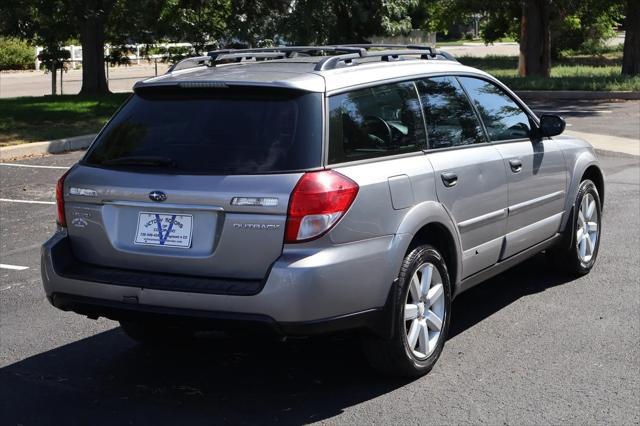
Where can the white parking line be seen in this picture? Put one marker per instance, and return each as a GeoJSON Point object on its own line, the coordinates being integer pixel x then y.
{"type": "Point", "coordinates": [13, 267]}
{"type": "Point", "coordinates": [36, 166]}
{"type": "Point", "coordinates": [8, 200]}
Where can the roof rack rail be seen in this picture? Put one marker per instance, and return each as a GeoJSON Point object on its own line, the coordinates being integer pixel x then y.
{"type": "Point", "coordinates": [294, 49]}
{"type": "Point", "coordinates": [434, 52]}
{"type": "Point", "coordinates": [425, 52]}
{"type": "Point", "coordinates": [196, 61]}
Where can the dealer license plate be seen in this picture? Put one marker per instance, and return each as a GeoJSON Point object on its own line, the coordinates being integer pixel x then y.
{"type": "Point", "coordinates": [164, 229]}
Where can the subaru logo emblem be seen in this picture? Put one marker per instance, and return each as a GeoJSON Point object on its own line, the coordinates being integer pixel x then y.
{"type": "Point", "coordinates": [157, 196]}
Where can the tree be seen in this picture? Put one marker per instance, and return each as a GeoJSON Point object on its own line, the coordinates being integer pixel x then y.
{"type": "Point", "coordinates": [535, 39]}
{"type": "Point", "coordinates": [631, 55]}
{"type": "Point", "coordinates": [91, 17]}
{"type": "Point", "coordinates": [200, 22]}
{"type": "Point", "coordinates": [257, 23]}
{"type": "Point", "coordinates": [43, 23]}
{"type": "Point", "coordinates": [51, 23]}
{"type": "Point", "coordinates": [345, 21]}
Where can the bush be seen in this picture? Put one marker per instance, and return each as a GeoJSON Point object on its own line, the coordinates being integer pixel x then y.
{"type": "Point", "coordinates": [16, 54]}
{"type": "Point", "coordinates": [585, 32]}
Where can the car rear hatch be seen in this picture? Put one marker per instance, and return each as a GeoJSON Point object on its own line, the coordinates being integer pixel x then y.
{"type": "Point", "coordinates": [193, 182]}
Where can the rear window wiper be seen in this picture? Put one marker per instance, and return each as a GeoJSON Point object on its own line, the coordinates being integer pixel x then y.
{"type": "Point", "coordinates": [141, 160]}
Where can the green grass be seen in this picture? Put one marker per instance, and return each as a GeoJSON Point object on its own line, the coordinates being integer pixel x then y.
{"type": "Point", "coordinates": [31, 119]}
{"type": "Point", "coordinates": [475, 40]}
{"type": "Point", "coordinates": [575, 72]}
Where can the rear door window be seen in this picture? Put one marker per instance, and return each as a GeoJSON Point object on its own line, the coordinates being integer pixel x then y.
{"type": "Point", "coordinates": [214, 133]}
{"type": "Point", "coordinates": [502, 116]}
{"type": "Point", "coordinates": [451, 120]}
{"type": "Point", "coordinates": [375, 122]}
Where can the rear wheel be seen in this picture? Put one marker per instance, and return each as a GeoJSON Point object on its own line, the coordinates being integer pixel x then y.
{"type": "Point", "coordinates": [156, 333]}
{"type": "Point", "coordinates": [578, 257]}
{"type": "Point", "coordinates": [423, 302]}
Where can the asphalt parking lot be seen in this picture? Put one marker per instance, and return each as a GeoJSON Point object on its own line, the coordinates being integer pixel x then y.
{"type": "Point", "coordinates": [529, 346]}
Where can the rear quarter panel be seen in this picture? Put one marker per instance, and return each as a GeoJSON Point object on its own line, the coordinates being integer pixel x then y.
{"type": "Point", "coordinates": [377, 212]}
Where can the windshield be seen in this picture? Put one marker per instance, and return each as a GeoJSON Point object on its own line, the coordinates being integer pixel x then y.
{"type": "Point", "coordinates": [248, 132]}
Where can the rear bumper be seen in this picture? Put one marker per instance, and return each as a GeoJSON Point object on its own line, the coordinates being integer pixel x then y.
{"type": "Point", "coordinates": [372, 320]}
{"type": "Point", "coordinates": [307, 291]}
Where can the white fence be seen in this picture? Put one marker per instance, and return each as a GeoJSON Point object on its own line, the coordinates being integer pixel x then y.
{"type": "Point", "coordinates": [414, 37]}
{"type": "Point", "coordinates": [75, 52]}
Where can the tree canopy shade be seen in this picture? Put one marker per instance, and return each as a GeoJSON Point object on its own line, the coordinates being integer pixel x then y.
{"type": "Point", "coordinates": [51, 23]}
{"type": "Point", "coordinates": [543, 26]}
{"type": "Point", "coordinates": [199, 22]}
{"type": "Point", "coordinates": [346, 21]}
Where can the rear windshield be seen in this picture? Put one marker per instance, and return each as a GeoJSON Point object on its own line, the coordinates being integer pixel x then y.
{"type": "Point", "coordinates": [215, 133]}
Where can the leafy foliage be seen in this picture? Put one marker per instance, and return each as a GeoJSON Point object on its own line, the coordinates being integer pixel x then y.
{"type": "Point", "coordinates": [202, 23]}
{"type": "Point", "coordinates": [344, 21]}
{"type": "Point", "coordinates": [15, 54]}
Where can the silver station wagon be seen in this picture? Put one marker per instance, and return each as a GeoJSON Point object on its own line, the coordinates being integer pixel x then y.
{"type": "Point", "coordinates": [315, 189]}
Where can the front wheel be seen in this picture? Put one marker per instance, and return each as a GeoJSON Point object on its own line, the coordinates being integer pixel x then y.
{"type": "Point", "coordinates": [578, 257]}
{"type": "Point", "coordinates": [422, 304]}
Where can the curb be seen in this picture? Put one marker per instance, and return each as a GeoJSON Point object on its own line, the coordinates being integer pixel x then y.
{"type": "Point", "coordinates": [615, 154]}
{"type": "Point", "coordinates": [577, 95]}
{"type": "Point", "coordinates": [42, 148]}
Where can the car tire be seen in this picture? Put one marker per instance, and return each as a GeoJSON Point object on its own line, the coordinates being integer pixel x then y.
{"type": "Point", "coordinates": [421, 310]}
{"type": "Point", "coordinates": [580, 249]}
{"type": "Point", "coordinates": [154, 333]}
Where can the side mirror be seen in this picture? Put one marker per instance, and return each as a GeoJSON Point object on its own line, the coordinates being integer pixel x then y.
{"type": "Point", "coordinates": [551, 125]}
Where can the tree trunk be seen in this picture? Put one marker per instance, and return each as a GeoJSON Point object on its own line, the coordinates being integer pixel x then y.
{"type": "Point", "coordinates": [631, 55]}
{"type": "Point", "coordinates": [92, 39]}
{"type": "Point", "coordinates": [535, 39]}
{"type": "Point", "coordinates": [54, 74]}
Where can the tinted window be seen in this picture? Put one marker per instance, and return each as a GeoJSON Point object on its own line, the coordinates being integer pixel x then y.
{"type": "Point", "coordinates": [451, 120]}
{"type": "Point", "coordinates": [374, 122]}
{"type": "Point", "coordinates": [502, 117]}
{"type": "Point", "coordinates": [231, 133]}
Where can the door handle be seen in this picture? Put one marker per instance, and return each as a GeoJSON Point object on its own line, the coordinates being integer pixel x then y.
{"type": "Point", "coordinates": [516, 165]}
{"type": "Point", "coordinates": [449, 179]}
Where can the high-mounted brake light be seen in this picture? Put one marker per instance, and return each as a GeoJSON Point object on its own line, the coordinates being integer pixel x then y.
{"type": "Point", "coordinates": [62, 221]}
{"type": "Point", "coordinates": [317, 202]}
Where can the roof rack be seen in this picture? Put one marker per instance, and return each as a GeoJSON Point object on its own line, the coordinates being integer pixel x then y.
{"type": "Point", "coordinates": [342, 54]}
{"type": "Point", "coordinates": [224, 55]}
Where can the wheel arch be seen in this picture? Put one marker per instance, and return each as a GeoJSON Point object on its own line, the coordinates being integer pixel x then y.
{"type": "Point", "coordinates": [438, 235]}
{"type": "Point", "coordinates": [430, 223]}
{"type": "Point", "coordinates": [582, 165]}
{"type": "Point", "coordinates": [594, 174]}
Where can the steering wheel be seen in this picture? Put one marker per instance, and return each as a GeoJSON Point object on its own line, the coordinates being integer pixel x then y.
{"type": "Point", "coordinates": [379, 127]}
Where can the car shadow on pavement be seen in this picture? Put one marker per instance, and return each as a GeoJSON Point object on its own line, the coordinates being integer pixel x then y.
{"type": "Point", "coordinates": [108, 379]}
{"type": "Point", "coordinates": [533, 276]}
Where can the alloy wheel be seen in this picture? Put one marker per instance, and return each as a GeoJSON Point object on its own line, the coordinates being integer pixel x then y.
{"type": "Point", "coordinates": [587, 228]}
{"type": "Point", "coordinates": [424, 310]}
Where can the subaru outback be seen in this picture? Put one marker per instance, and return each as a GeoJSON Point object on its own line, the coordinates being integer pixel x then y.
{"type": "Point", "coordinates": [306, 190]}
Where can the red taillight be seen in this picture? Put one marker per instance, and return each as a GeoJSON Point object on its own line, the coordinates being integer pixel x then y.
{"type": "Point", "coordinates": [317, 203]}
{"type": "Point", "coordinates": [60, 200]}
